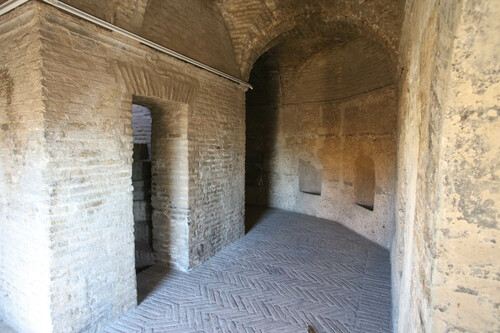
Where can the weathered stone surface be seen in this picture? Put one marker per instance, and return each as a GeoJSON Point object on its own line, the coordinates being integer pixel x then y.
{"type": "Point", "coordinates": [445, 272]}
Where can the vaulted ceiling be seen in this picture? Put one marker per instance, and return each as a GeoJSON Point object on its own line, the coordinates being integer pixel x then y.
{"type": "Point", "coordinates": [231, 34]}
{"type": "Point", "coordinates": [257, 25]}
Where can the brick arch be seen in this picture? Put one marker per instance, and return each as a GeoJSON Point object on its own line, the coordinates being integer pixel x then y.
{"type": "Point", "coordinates": [256, 25]}
{"type": "Point", "coordinates": [260, 46]}
{"type": "Point", "coordinates": [144, 82]}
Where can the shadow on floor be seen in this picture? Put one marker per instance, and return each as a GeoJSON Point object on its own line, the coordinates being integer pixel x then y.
{"type": "Point", "coordinates": [148, 280]}
{"type": "Point", "coordinates": [253, 215]}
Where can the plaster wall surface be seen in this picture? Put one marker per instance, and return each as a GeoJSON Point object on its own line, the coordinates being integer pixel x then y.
{"type": "Point", "coordinates": [445, 267]}
{"type": "Point", "coordinates": [82, 147]}
{"type": "Point", "coordinates": [416, 89]}
{"type": "Point", "coordinates": [467, 268]}
{"type": "Point", "coordinates": [232, 34]}
{"type": "Point", "coordinates": [25, 256]}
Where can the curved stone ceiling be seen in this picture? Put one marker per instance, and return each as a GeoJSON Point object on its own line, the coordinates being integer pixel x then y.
{"type": "Point", "coordinates": [231, 34]}
{"type": "Point", "coordinates": [324, 62]}
{"type": "Point", "coordinates": [256, 25]}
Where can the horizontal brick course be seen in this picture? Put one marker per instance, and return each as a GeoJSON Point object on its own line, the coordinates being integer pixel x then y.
{"type": "Point", "coordinates": [84, 139]}
{"type": "Point", "coordinates": [24, 184]}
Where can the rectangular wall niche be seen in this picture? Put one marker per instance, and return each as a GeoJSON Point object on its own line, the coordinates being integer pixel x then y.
{"type": "Point", "coordinates": [365, 182]}
{"type": "Point", "coordinates": [309, 178]}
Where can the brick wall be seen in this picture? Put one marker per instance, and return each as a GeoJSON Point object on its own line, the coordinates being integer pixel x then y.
{"type": "Point", "coordinates": [66, 91]}
{"type": "Point", "coordinates": [216, 170]}
{"type": "Point", "coordinates": [24, 185]}
{"type": "Point", "coordinates": [332, 136]}
{"type": "Point", "coordinates": [180, 24]}
{"type": "Point", "coordinates": [257, 25]}
{"type": "Point", "coordinates": [143, 224]}
{"type": "Point", "coordinates": [141, 124]}
{"type": "Point", "coordinates": [170, 183]}
{"type": "Point", "coordinates": [82, 150]}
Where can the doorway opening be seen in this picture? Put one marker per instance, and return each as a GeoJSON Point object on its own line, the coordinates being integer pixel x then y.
{"type": "Point", "coordinates": [161, 182]}
{"type": "Point", "coordinates": [261, 126]}
{"type": "Point", "coordinates": [160, 177]}
{"type": "Point", "coordinates": [141, 181]}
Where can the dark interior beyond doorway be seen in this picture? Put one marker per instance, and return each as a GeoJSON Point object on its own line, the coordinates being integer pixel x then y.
{"type": "Point", "coordinates": [141, 180]}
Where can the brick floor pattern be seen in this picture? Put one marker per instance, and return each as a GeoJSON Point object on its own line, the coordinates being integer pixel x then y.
{"type": "Point", "coordinates": [289, 272]}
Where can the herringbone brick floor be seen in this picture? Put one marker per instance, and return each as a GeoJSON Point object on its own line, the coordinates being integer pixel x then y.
{"type": "Point", "coordinates": [289, 272]}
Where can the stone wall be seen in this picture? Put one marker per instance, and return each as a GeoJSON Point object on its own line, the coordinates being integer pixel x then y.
{"type": "Point", "coordinates": [82, 149]}
{"type": "Point", "coordinates": [445, 264]}
{"type": "Point", "coordinates": [25, 231]}
{"type": "Point", "coordinates": [330, 119]}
